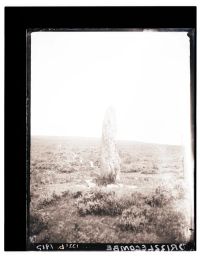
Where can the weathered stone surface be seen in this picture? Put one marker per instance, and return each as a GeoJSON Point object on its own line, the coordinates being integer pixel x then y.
{"type": "Point", "coordinates": [110, 161]}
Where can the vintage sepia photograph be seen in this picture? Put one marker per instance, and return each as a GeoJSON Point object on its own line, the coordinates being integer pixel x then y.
{"type": "Point", "coordinates": [111, 151]}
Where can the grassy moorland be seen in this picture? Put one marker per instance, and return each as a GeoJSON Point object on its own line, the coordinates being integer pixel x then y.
{"type": "Point", "coordinates": [68, 204]}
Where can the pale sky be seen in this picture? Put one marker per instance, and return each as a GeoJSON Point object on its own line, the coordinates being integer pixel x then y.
{"type": "Point", "coordinates": [75, 76]}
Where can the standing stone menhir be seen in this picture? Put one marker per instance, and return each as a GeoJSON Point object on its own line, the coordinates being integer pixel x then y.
{"type": "Point", "coordinates": [110, 161]}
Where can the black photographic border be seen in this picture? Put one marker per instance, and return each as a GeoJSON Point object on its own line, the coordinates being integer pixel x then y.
{"type": "Point", "coordinates": [19, 22]}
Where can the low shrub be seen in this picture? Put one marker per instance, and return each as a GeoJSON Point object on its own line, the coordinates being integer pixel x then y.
{"type": "Point", "coordinates": [101, 202]}
{"type": "Point", "coordinates": [180, 191]}
{"type": "Point", "coordinates": [66, 169]}
{"type": "Point", "coordinates": [49, 199]}
{"type": "Point", "coordinates": [158, 213]}
{"type": "Point", "coordinates": [98, 202]}
{"type": "Point", "coordinates": [37, 223]}
{"type": "Point", "coordinates": [133, 218]}
{"type": "Point", "coordinates": [169, 224]}
{"type": "Point", "coordinates": [160, 197]}
{"type": "Point", "coordinates": [77, 194]}
{"type": "Point", "coordinates": [103, 180]}
{"type": "Point", "coordinates": [129, 168]}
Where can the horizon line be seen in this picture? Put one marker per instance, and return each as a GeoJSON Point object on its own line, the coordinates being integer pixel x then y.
{"type": "Point", "coordinates": [93, 137]}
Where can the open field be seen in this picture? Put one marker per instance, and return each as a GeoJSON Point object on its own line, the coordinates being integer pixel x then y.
{"type": "Point", "coordinates": [67, 204]}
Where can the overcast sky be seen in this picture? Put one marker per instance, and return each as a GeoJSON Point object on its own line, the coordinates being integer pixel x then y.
{"type": "Point", "coordinates": [75, 76]}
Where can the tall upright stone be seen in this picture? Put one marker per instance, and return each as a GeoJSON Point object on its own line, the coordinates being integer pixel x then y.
{"type": "Point", "coordinates": [110, 161]}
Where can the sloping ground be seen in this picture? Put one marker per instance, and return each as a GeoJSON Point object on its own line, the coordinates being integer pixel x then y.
{"type": "Point", "coordinates": [153, 217]}
{"type": "Point", "coordinates": [68, 206]}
